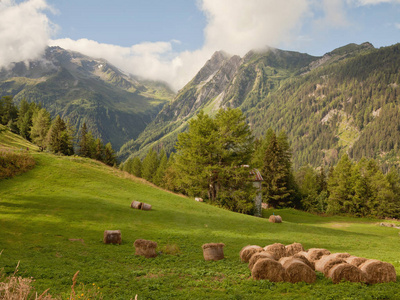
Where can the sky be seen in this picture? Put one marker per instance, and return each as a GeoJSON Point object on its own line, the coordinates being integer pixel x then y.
{"type": "Point", "coordinates": [171, 40]}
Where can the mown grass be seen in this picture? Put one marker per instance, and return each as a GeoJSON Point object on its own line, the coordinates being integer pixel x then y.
{"type": "Point", "coordinates": [52, 220]}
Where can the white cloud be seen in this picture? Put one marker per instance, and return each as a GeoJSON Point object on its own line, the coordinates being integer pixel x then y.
{"type": "Point", "coordinates": [24, 30]}
{"type": "Point", "coordinates": [238, 26]}
{"type": "Point", "coordinates": [397, 25]}
{"type": "Point", "coordinates": [372, 2]}
{"type": "Point", "coordinates": [235, 26]}
{"type": "Point", "coordinates": [335, 14]}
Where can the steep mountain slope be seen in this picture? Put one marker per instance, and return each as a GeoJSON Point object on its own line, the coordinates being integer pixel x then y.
{"type": "Point", "coordinates": [265, 85]}
{"type": "Point", "coordinates": [223, 81]}
{"type": "Point", "coordinates": [115, 106]}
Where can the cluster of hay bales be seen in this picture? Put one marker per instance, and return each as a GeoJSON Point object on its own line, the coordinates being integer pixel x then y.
{"type": "Point", "coordinates": [292, 263]}
{"type": "Point", "coordinates": [140, 205]}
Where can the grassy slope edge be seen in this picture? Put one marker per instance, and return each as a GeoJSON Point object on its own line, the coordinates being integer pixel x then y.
{"type": "Point", "coordinates": [52, 220]}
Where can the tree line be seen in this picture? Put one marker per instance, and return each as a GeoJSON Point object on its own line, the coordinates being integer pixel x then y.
{"type": "Point", "coordinates": [213, 160]}
{"type": "Point", "coordinates": [34, 123]}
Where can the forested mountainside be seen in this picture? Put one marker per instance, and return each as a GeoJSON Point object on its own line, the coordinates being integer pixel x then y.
{"type": "Point", "coordinates": [115, 106]}
{"type": "Point", "coordinates": [345, 101]}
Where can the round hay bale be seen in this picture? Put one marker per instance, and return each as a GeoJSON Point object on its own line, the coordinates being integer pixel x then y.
{"type": "Point", "coordinates": [277, 249]}
{"type": "Point", "coordinates": [294, 248]}
{"type": "Point", "coordinates": [346, 272]}
{"type": "Point", "coordinates": [304, 260]}
{"type": "Point", "coordinates": [315, 254]}
{"type": "Point", "coordinates": [269, 269]}
{"type": "Point", "coordinates": [145, 248]}
{"type": "Point", "coordinates": [136, 205]}
{"type": "Point", "coordinates": [326, 263]}
{"type": "Point", "coordinates": [340, 255]}
{"type": "Point", "coordinates": [146, 206]}
{"type": "Point", "coordinates": [297, 271]}
{"type": "Point", "coordinates": [248, 251]}
{"type": "Point", "coordinates": [378, 271]}
{"type": "Point", "coordinates": [112, 237]}
{"type": "Point", "coordinates": [256, 256]}
{"type": "Point", "coordinates": [355, 261]}
{"type": "Point", "coordinates": [213, 251]}
{"type": "Point", "coordinates": [275, 219]}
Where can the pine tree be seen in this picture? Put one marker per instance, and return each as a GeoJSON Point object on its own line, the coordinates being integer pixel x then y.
{"type": "Point", "coordinates": [24, 121]}
{"type": "Point", "coordinates": [275, 174]}
{"type": "Point", "coordinates": [40, 126]}
{"type": "Point", "coordinates": [340, 187]}
{"type": "Point", "coordinates": [150, 165]}
{"type": "Point", "coordinates": [109, 155]}
{"type": "Point", "coordinates": [84, 148]}
{"type": "Point", "coordinates": [136, 168]}
{"type": "Point", "coordinates": [160, 173]}
{"type": "Point", "coordinates": [59, 139]}
{"type": "Point", "coordinates": [98, 153]}
{"type": "Point", "coordinates": [210, 157]}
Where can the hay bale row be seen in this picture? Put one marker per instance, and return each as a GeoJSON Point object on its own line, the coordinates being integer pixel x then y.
{"type": "Point", "coordinates": [140, 205]}
{"type": "Point", "coordinates": [291, 263]}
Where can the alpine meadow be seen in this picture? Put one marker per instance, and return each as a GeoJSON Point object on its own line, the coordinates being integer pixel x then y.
{"type": "Point", "coordinates": [175, 150]}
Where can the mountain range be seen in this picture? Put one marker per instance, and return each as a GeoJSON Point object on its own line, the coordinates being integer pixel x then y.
{"type": "Point", "coordinates": [346, 101]}
{"type": "Point", "coordinates": [326, 105]}
{"type": "Point", "coordinates": [116, 106]}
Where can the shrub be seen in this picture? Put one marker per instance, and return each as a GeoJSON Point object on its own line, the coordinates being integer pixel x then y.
{"type": "Point", "coordinates": [13, 163]}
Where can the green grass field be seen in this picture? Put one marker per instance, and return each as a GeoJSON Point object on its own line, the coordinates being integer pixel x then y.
{"type": "Point", "coordinates": [52, 220]}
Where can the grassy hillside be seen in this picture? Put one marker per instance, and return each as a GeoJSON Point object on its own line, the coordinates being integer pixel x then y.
{"type": "Point", "coordinates": [52, 220]}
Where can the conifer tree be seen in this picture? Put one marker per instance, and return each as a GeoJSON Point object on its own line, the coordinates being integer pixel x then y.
{"type": "Point", "coordinates": [340, 187]}
{"type": "Point", "coordinates": [136, 168]}
{"type": "Point", "coordinates": [109, 155]}
{"type": "Point", "coordinates": [40, 126]}
{"type": "Point", "coordinates": [160, 173]}
{"type": "Point", "coordinates": [84, 148]}
{"type": "Point", "coordinates": [150, 165]}
{"type": "Point", "coordinates": [58, 137]}
{"type": "Point", "coordinates": [98, 152]}
{"type": "Point", "coordinates": [276, 174]}
{"type": "Point", "coordinates": [210, 158]}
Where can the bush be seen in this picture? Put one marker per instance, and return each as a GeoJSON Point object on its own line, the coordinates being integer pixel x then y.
{"type": "Point", "coordinates": [13, 163]}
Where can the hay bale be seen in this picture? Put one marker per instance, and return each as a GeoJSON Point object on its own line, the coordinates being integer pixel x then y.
{"type": "Point", "coordinates": [297, 271]}
{"type": "Point", "coordinates": [145, 248]}
{"type": "Point", "coordinates": [256, 256]}
{"type": "Point", "coordinates": [355, 261]}
{"type": "Point", "coordinates": [340, 255]}
{"type": "Point", "coordinates": [136, 205]}
{"type": "Point", "coordinates": [294, 248]}
{"type": "Point", "coordinates": [277, 249]}
{"type": "Point", "coordinates": [304, 259]}
{"type": "Point", "coordinates": [315, 254]}
{"type": "Point", "coordinates": [269, 269]}
{"type": "Point", "coordinates": [327, 262]}
{"type": "Point", "coordinates": [346, 272]}
{"type": "Point", "coordinates": [275, 219]}
{"type": "Point", "coordinates": [248, 251]}
{"type": "Point", "coordinates": [378, 271]}
{"type": "Point", "coordinates": [213, 251]}
{"type": "Point", "coordinates": [112, 237]}
{"type": "Point", "coordinates": [146, 206]}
